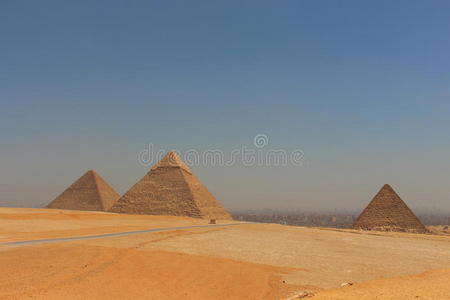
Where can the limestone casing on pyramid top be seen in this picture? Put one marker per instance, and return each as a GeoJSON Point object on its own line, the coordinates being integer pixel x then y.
{"type": "Point", "coordinates": [171, 160]}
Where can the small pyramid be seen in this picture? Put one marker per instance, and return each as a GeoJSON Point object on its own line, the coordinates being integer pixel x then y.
{"type": "Point", "coordinates": [170, 188]}
{"type": "Point", "coordinates": [388, 212]}
{"type": "Point", "coordinates": [89, 192]}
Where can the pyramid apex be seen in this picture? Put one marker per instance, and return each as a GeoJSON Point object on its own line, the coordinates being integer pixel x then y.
{"type": "Point", "coordinates": [387, 187]}
{"type": "Point", "coordinates": [171, 160]}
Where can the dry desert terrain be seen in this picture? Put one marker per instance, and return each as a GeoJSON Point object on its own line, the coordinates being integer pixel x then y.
{"type": "Point", "coordinates": [184, 258]}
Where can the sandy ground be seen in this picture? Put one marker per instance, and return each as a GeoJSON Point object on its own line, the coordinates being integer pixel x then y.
{"type": "Point", "coordinates": [26, 223]}
{"type": "Point", "coordinates": [246, 261]}
{"type": "Point", "coordinates": [427, 285]}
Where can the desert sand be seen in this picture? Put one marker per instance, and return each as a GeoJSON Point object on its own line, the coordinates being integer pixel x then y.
{"type": "Point", "coordinates": [236, 261]}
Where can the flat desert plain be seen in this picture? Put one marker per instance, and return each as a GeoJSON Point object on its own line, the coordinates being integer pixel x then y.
{"type": "Point", "coordinates": [189, 259]}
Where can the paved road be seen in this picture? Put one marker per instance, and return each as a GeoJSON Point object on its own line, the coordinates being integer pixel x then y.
{"type": "Point", "coordinates": [108, 235]}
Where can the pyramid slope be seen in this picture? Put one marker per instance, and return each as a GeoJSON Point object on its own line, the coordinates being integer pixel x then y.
{"type": "Point", "coordinates": [108, 196]}
{"type": "Point", "coordinates": [170, 189]}
{"type": "Point", "coordinates": [205, 201]}
{"type": "Point", "coordinates": [89, 192]}
{"type": "Point", "coordinates": [388, 212]}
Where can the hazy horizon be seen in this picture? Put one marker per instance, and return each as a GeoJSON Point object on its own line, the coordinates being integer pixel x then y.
{"type": "Point", "coordinates": [362, 89]}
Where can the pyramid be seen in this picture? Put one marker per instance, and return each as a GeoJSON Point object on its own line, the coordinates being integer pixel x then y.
{"type": "Point", "coordinates": [170, 188]}
{"type": "Point", "coordinates": [388, 212]}
{"type": "Point", "coordinates": [89, 192]}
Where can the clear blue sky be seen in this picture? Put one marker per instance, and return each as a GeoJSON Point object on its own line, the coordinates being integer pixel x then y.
{"type": "Point", "coordinates": [362, 87]}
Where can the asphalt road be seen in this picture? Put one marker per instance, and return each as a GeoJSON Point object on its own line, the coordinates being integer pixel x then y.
{"type": "Point", "coordinates": [108, 235]}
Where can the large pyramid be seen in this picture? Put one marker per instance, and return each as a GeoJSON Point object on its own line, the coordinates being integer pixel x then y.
{"type": "Point", "coordinates": [170, 188]}
{"type": "Point", "coordinates": [388, 212]}
{"type": "Point", "coordinates": [89, 192]}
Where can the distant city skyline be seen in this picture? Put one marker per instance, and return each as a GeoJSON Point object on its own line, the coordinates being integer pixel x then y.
{"type": "Point", "coordinates": [360, 88]}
